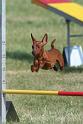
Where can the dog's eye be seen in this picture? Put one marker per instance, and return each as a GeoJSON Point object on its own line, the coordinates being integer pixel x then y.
{"type": "Point", "coordinates": [32, 47]}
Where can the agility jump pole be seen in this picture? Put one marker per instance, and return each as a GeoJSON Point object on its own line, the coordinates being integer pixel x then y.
{"type": "Point", "coordinates": [42, 92]}
{"type": "Point", "coordinates": [3, 90]}
{"type": "Point", "coordinates": [2, 60]}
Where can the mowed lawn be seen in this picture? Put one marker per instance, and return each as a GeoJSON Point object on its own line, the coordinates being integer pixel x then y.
{"type": "Point", "coordinates": [24, 18]}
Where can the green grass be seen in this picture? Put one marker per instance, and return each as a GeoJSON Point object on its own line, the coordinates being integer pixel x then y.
{"type": "Point", "coordinates": [24, 18]}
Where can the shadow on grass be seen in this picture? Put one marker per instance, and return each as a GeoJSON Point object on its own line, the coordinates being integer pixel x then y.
{"type": "Point", "coordinates": [73, 69]}
{"type": "Point", "coordinates": [20, 56]}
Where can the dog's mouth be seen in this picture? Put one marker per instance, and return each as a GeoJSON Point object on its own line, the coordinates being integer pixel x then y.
{"type": "Point", "coordinates": [33, 53]}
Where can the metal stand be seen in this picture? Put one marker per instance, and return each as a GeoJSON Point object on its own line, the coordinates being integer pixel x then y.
{"type": "Point", "coordinates": [11, 115]}
{"type": "Point", "coordinates": [69, 35]}
{"type": "Point", "coordinates": [68, 40]}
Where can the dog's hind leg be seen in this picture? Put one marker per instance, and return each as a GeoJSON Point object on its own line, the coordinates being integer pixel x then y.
{"type": "Point", "coordinates": [61, 63]}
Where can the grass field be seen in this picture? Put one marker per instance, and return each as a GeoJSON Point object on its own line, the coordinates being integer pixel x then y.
{"type": "Point", "coordinates": [24, 18]}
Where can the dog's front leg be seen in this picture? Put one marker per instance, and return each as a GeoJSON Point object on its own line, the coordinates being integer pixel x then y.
{"type": "Point", "coordinates": [35, 66]}
{"type": "Point", "coordinates": [36, 63]}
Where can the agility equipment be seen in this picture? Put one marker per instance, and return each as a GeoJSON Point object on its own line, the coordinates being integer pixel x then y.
{"type": "Point", "coordinates": [76, 58]}
{"type": "Point", "coordinates": [3, 90]}
{"type": "Point", "coordinates": [42, 92]}
{"type": "Point", "coordinates": [2, 60]}
{"type": "Point", "coordinates": [71, 11]}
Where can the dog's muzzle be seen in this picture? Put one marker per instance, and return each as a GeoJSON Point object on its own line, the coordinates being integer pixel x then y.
{"type": "Point", "coordinates": [32, 53]}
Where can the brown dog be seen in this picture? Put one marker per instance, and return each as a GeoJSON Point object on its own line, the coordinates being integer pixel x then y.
{"type": "Point", "coordinates": [45, 59]}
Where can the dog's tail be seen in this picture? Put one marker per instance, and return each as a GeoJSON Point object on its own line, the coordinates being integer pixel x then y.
{"type": "Point", "coordinates": [52, 43]}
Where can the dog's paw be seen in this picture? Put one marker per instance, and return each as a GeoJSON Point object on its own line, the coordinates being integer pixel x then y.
{"type": "Point", "coordinates": [61, 68]}
{"type": "Point", "coordinates": [34, 69]}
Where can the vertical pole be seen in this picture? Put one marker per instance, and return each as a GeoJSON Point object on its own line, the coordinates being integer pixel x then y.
{"type": "Point", "coordinates": [2, 60]}
{"type": "Point", "coordinates": [68, 40]}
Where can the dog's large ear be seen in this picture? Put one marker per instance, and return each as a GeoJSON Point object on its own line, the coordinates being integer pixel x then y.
{"type": "Point", "coordinates": [45, 39]}
{"type": "Point", "coordinates": [33, 39]}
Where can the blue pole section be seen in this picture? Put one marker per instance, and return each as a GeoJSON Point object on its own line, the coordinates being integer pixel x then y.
{"type": "Point", "coordinates": [2, 60]}
{"type": "Point", "coordinates": [68, 40]}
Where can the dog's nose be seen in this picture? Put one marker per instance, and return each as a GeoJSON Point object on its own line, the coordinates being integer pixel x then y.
{"type": "Point", "coordinates": [32, 47]}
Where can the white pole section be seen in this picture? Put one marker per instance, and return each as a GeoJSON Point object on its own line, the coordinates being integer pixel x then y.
{"type": "Point", "coordinates": [2, 60]}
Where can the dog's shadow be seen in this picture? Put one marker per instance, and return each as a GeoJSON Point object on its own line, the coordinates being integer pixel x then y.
{"type": "Point", "coordinates": [73, 69]}
{"type": "Point", "coordinates": [18, 55]}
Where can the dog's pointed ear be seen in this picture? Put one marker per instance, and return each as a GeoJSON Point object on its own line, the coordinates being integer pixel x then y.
{"type": "Point", "coordinates": [33, 39]}
{"type": "Point", "coordinates": [45, 39]}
